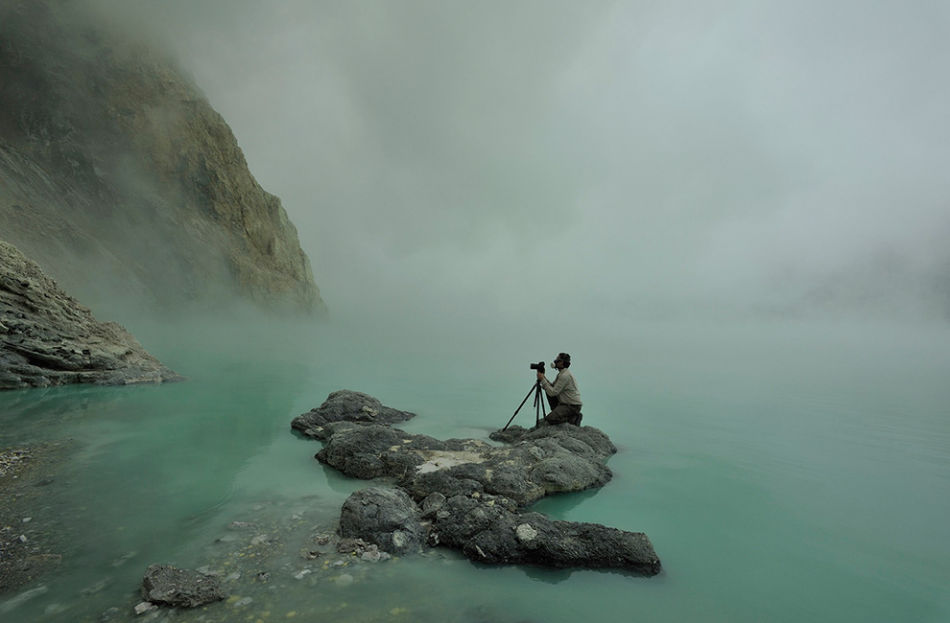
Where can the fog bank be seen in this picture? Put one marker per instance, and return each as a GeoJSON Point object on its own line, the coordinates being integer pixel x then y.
{"type": "Point", "coordinates": [557, 163]}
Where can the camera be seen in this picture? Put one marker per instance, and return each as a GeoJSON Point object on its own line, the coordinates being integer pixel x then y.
{"type": "Point", "coordinates": [538, 366]}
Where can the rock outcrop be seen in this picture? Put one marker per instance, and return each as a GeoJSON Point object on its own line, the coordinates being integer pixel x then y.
{"type": "Point", "coordinates": [347, 406]}
{"type": "Point", "coordinates": [48, 338]}
{"type": "Point", "coordinates": [489, 529]}
{"type": "Point", "coordinates": [118, 177]}
{"type": "Point", "coordinates": [552, 459]}
{"type": "Point", "coordinates": [471, 495]}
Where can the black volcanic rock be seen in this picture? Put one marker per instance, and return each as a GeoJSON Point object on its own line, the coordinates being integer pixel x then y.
{"type": "Point", "coordinates": [552, 459]}
{"type": "Point", "coordinates": [347, 406]}
{"type": "Point", "coordinates": [170, 586]}
{"type": "Point", "coordinates": [471, 495]}
{"type": "Point", "coordinates": [486, 529]}
{"type": "Point", "coordinates": [48, 338]}
{"type": "Point", "coordinates": [386, 517]}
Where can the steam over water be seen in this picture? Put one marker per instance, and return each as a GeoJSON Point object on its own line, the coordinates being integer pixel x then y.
{"type": "Point", "coordinates": [783, 474]}
{"type": "Point", "coordinates": [483, 185]}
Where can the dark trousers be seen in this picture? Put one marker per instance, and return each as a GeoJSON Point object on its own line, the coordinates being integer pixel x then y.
{"type": "Point", "coordinates": [564, 414]}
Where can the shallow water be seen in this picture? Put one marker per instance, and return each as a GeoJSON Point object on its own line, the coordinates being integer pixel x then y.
{"type": "Point", "coordinates": [783, 474]}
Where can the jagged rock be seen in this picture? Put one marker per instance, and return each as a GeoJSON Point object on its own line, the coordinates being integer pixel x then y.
{"type": "Point", "coordinates": [50, 339]}
{"type": "Point", "coordinates": [118, 176]}
{"type": "Point", "coordinates": [347, 406]}
{"type": "Point", "coordinates": [167, 585]}
{"type": "Point", "coordinates": [385, 517]}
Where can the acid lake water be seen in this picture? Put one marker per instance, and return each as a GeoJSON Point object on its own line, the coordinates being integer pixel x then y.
{"type": "Point", "coordinates": [782, 472]}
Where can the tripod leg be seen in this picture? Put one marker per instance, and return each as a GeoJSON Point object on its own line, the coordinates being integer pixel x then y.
{"type": "Point", "coordinates": [539, 413]}
{"type": "Point", "coordinates": [528, 395]}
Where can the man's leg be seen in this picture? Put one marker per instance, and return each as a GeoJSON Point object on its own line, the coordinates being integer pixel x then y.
{"type": "Point", "coordinates": [561, 414]}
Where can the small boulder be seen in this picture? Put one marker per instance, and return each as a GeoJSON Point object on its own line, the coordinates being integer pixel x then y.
{"type": "Point", "coordinates": [183, 588]}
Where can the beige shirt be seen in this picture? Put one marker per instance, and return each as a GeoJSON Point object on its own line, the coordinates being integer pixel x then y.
{"type": "Point", "coordinates": [564, 387]}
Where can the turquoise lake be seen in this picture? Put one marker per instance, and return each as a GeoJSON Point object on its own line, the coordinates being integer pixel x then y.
{"type": "Point", "coordinates": [783, 472]}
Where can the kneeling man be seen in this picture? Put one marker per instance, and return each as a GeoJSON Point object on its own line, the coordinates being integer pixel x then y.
{"type": "Point", "coordinates": [563, 394]}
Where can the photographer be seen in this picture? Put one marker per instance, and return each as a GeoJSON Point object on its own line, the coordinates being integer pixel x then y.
{"type": "Point", "coordinates": [563, 395]}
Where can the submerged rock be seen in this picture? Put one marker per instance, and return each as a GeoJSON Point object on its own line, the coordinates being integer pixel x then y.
{"type": "Point", "coordinates": [170, 586]}
{"type": "Point", "coordinates": [48, 338]}
{"type": "Point", "coordinates": [33, 534]}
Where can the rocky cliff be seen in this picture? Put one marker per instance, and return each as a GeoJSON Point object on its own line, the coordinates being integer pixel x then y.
{"type": "Point", "coordinates": [118, 177]}
{"type": "Point", "coordinates": [48, 338]}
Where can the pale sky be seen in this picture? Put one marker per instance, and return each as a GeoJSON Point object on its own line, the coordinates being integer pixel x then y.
{"type": "Point", "coordinates": [595, 160]}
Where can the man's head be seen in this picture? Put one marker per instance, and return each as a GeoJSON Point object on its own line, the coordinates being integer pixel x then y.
{"type": "Point", "coordinates": [563, 360]}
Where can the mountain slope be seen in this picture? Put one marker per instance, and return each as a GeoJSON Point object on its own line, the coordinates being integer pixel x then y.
{"type": "Point", "coordinates": [119, 178]}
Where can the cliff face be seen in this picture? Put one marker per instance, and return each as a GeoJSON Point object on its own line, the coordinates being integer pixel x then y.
{"type": "Point", "coordinates": [118, 177]}
{"type": "Point", "coordinates": [48, 338]}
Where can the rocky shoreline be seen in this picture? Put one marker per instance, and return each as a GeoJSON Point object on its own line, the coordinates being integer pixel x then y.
{"type": "Point", "coordinates": [28, 532]}
{"type": "Point", "coordinates": [284, 559]}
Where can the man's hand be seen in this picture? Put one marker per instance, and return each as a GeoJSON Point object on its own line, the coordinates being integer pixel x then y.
{"type": "Point", "coordinates": [540, 375]}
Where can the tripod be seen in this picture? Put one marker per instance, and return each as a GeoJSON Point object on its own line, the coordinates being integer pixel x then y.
{"type": "Point", "coordinates": [538, 405]}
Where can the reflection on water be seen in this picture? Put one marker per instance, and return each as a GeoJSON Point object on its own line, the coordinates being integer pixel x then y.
{"type": "Point", "coordinates": [782, 476]}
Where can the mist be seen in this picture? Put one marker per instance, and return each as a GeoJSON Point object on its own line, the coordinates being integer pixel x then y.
{"type": "Point", "coordinates": [552, 164]}
{"type": "Point", "coordinates": [732, 214]}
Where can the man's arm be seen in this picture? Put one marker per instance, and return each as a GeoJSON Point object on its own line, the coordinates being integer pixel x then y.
{"type": "Point", "coordinates": [553, 390]}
